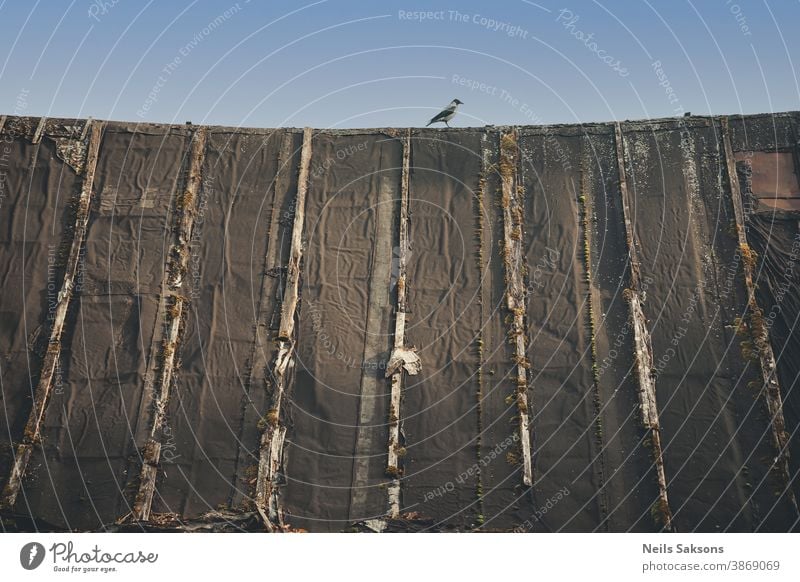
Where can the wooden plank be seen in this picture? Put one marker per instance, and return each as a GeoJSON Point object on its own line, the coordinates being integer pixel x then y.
{"type": "Point", "coordinates": [177, 266]}
{"type": "Point", "coordinates": [756, 325]}
{"type": "Point", "coordinates": [514, 261]}
{"type": "Point", "coordinates": [395, 446]}
{"type": "Point", "coordinates": [293, 272]}
{"type": "Point", "coordinates": [643, 357]}
{"type": "Point", "coordinates": [86, 127]}
{"type": "Point", "coordinates": [140, 427]}
{"type": "Point", "coordinates": [261, 352]}
{"type": "Point", "coordinates": [33, 427]}
{"type": "Point", "coordinates": [37, 135]}
{"type": "Point", "coordinates": [369, 431]}
{"type": "Point", "coordinates": [272, 439]}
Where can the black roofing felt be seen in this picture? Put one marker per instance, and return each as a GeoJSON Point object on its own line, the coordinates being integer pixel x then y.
{"type": "Point", "coordinates": [593, 462]}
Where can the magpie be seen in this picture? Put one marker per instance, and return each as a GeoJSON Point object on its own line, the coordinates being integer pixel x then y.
{"type": "Point", "coordinates": [447, 113]}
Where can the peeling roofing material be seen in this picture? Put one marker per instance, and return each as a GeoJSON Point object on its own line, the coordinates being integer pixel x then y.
{"type": "Point", "coordinates": [556, 328]}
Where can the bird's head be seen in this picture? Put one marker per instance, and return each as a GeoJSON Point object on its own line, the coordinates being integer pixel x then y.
{"type": "Point", "coordinates": [457, 102]}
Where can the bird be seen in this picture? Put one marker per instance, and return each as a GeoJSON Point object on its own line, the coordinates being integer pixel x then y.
{"type": "Point", "coordinates": [447, 113]}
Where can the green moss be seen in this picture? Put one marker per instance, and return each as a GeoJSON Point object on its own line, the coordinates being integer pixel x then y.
{"type": "Point", "coordinates": [393, 471]}
{"type": "Point", "coordinates": [660, 513]}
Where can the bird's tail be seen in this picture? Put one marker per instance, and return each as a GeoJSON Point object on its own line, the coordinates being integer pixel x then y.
{"type": "Point", "coordinates": [429, 123]}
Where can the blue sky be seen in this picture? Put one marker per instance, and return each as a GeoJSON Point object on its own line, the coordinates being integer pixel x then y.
{"type": "Point", "coordinates": [344, 63]}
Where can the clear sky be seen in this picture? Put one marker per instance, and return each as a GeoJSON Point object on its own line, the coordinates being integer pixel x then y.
{"type": "Point", "coordinates": [347, 63]}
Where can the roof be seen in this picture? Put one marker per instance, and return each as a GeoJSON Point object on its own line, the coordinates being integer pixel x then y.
{"type": "Point", "coordinates": [539, 328]}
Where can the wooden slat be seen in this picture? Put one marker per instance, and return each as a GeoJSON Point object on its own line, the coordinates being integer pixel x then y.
{"type": "Point", "coordinates": [393, 458]}
{"type": "Point", "coordinates": [175, 272]}
{"type": "Point", "coordinates": [37, 136]}
{"type": "Point", "coordinates": [293, 272]}
{"type": "Point", "coordinates": [272, 439]}
{"type": "Point", "coordinates": [756, 325]}
{"type": "Point", "coordinates": [643, 358]}
{"type": "Point", "coordinates": [514, 261]}
{"type": "Point", "coordinates": [261, 352]}
{"type": "Point", "coordinates": [33, 427]}
{"type": "Point", "coordinates": [87, 124]}
{"type": "Point", "coordinates": [369, 433]}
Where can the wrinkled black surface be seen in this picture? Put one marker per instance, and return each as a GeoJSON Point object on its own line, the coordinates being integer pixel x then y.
{"type": "Point", "coordinates": [715, 432]}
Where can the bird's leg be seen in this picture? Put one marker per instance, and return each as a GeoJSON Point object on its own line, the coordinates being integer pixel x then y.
{"type": "Point", "coordinates": [447, 124]}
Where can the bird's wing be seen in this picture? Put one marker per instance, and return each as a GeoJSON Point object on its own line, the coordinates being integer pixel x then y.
{"type": "Point", "coordinates": [444, 113]}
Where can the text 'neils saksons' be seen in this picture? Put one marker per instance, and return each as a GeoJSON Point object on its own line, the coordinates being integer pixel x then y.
{"type": "Point", "coordinates": [681, 549]}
